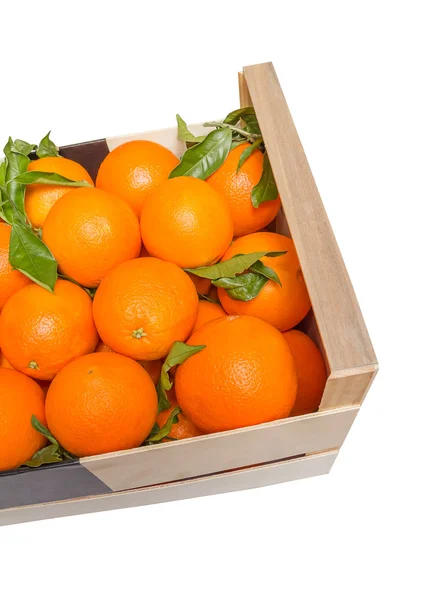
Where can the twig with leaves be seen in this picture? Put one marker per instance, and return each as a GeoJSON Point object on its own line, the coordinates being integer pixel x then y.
{"type": "Point", "coordinates": [27, 251]}
{"type": "Point", "coordinates": [206, 153]}
{"type": "Point", "coordinates": [243, 276]}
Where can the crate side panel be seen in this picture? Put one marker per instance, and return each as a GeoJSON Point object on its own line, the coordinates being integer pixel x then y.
{"type": "Point", "coordinates": [89, 154]}
{"type": "Point", "coordinates": [347, 388]}
{"type": "Point", "coordinates": [335, 306]}
{"type": "Point", "coordinates": [309, 466]}
{"type": "Point", "coordinates": [166, 137]}
{"type": "Point", "coordinates": [61, 481]}
{"type": "Point", "coordinates": [224, 451]}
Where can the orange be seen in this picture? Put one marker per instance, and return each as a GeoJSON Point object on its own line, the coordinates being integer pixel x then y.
{"type": "Point", "coordinates": [181, 430]}
{"type": "Point", "coordinates": [101, 402]}
{"type": "Point", "coordinates": [144, 253]}
{"type": "Point", "coordinates": [135, 168]}
{"type": "Point", "coordinates": [44, 385]}
{"type": "Point", "coordinates": [21, 398]}
{"type": "Point", "coordinates": [281, 306]}
{"type": "Point", "coordinates": [213, 293]}
{"type": "Point", "coordinates": [40, 198]}
{"type": "Point", "coordinates": [153, 367]}
{"type": "Point", "coordinates": [202, 285]}
{"type": "Point", "coordinates": [4, 362]}
{"type": "Point", "coordinates": [237, 188]}
{"type": "Point", "coordinates": [311, 371]}
{"type": "Point", "coordinates": [245, 375]}
{"type": "Point", "coordinates": [89, 232]}
{"type": "Point", "coordinates": [143, 306]}
{"type": "Point", "coordinates": [101, 347]}
{"type": "Point", "coordinates": [186, 222]}
{"type": "Point", "coordinates": [10, 280]}
{"type": "Point", "coordinates": [41, 332]}
{"type": "Point", "coordinates": [207, 311]}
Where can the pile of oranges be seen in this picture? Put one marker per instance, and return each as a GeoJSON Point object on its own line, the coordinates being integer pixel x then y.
{"type": "Point", "coordinates": [135, 340]}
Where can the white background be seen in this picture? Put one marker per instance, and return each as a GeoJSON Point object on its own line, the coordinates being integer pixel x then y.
{"type": "Point", "coordinates": [352, 75]}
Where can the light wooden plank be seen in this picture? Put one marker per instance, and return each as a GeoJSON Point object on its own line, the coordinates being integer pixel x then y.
{"type": "Point", "coordinates": [244, 94]}
{"type": "Point", "coordinates": [348, 387]}
{"type": "Point", "coordinates": [219, 452]}
{"type": "Point", "coordinates": [339, 319]}
{"type": "Point", "coordinates": [309, 466]}
{"type": "Point", "coordinates": [166, 137]}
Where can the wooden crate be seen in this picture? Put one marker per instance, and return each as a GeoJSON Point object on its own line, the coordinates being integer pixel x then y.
{"type": "Point", "coordinates": [275, 452]}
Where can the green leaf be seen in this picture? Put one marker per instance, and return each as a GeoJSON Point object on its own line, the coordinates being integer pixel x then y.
{"type": "Point", "coordinates": [204, 297]}
{"type": "Point", "coordinates": [3, 173]}
{"type": "Point", "coordinates": [16, 163]}
{"type": "Point", "coordinates": [48, 179]}
{"type": "Point", "coordinates": [46, 433]}
{"type": "Point", "coordinates": [47, 148]}
{"type": "Point", "coordinates": [90, 291]}
{"type": "Point", "coordinates": [243, 287]}
{"type": "Point", "coordinates": [205, 158]}
{"type": "Point", "coordinates": [163, 402]}
{"type": "Point", "coordinates": [266, 188]}
{"type": "Point", "coordinates": [237, 142]}
{"type": "Point", "coordinates": [234, 266]}
{"type": "Point", "coordinates": [178, 354]}
{"type": "Point", "coordinates": [43, 430]}
{"type": "Point", "coordinates": [184, 133]}
{"type": "Point", "coordinates": [165, 430]}
{"type": "Point", "coordinates": [259, 267]}
{"type": "Point", "coordinates": [3, 191]}
{"type": "Point", "coordinates": [49, 454]}
{"type": "Point", "coordinates": [23, 147]}
{"type": "Point", "coordinates": [251, 124]}
{"type": "Point", "coordinates": [248, 152]}
{"type": "Point", "coordinates": [30, 255]}
{"type": "Point", "coordinates": [234, 116]}
{"type": "Point", "coordinates": [154, 431]}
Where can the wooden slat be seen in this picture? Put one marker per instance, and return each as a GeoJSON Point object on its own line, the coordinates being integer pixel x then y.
{"type": "Point", "coordinates": [347, 388]}
{"type": "Point", "coordinates": [341, 325]}
{"type": "Point", "coordinates": [244, 94]}
{"type": "Point", "coordinates": [166, 137]}
{"type": "Point", "coordinates": [223, 451]}
{"type": "Point", "coordinates": [309, 466]}
{"type": "Point", "coordinates": [58, 481]}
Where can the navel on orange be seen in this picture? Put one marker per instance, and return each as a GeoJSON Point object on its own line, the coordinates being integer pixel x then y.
{"type": "Point", "coordinates": [41, 332]}
{"type": "Point", "coordinates": [143, 306]}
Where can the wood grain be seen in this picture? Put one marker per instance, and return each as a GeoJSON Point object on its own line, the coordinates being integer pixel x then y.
{"type": "Point", "coordinates": [310, 466]}
{"type": "Point", "coordinates": [337, 324]}
{"type": "Point", "coordinates": [166, 137]}
{"type": "Point", "coordinates": [222, 451]}
{"type": "Point", "coordinates": [347, 388]}
{"type": "Point", "coordinates": [244, 94]}
{"type": "Point", "coordinates": [335, 306]}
